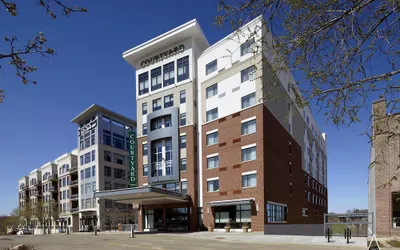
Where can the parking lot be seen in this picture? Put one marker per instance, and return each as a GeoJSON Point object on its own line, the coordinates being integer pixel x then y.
{"type": "Point", "coordinates": [143, 241]}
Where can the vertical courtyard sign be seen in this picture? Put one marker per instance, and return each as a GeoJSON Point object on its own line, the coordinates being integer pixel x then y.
{"type": "Point", "coordinates": [132, 160]}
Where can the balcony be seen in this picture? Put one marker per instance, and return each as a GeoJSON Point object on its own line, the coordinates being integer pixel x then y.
{"type": "Point", "coordinates": [52, 177]}
{"type": "Point", "coordinates": [74, 183]}
{"type": "Point", "coordinates": [53, 189]}
{"type": "Point", "coordinates": [75, 197]}
{"type": "Point", "coordinates": [73, 169]}
{"type": "Point", "coordinates": [75, 209]}
{"type": "Point", "coordinates": [37, 193]}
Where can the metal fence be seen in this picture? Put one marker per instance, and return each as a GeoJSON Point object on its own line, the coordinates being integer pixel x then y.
{"type": "Point", "coordinates": [358, 223]}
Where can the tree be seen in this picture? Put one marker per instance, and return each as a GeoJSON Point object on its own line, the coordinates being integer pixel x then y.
{"type": "Point", "coordinates": [346, 52]}
{"type": "Point", "coordinates": [26, 212]}
{"type": "Point", "coordinates": [51, 213]}
{"type": "Point", "coordinates": [39, 211]}
{"type": "Point", "coordinates": [16, 55]}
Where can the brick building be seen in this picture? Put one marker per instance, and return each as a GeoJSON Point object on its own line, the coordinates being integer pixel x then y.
{"type": "Point", "coordinates": [212, 149]}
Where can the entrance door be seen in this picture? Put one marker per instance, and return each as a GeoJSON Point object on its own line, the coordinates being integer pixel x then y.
{"type": "Point", "coordinates": [177, 219]}
{"type": "Point", "coordinates": [158, 219]}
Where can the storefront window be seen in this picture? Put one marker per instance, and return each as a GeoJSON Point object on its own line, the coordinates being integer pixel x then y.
{"type": "Point", "coordinates": [236, 216]}
{"type": "Point", "coordinates": [148, 219]}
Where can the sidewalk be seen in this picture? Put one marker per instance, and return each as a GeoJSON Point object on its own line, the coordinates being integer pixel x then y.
{"type": "Point", "coordinates": [260, 238]}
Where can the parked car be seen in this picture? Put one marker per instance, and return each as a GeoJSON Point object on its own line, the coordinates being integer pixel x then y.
{"type": "Point", "coordinates": [24, 231]}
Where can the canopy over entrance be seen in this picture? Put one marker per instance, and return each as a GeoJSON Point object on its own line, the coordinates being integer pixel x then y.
{"type": "Point", "coordinates": [142, 196]}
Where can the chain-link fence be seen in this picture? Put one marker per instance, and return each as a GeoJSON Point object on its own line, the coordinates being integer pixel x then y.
{"type": "Point", "coordinates": [357, 222]}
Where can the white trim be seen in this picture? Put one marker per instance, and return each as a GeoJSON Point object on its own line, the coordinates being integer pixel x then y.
{"type": "Point", "coordinates": [212, 155]}
{"type": "Point", "coordinates": [249, 172]}
{"type": "Point", "coordinates": [276, 203]}
{"type": "Point", "coordinates": [182, 134]}
{"type": "Point", "coordinates": [249, 119]}
{"type": "Point", "coordinates": [249, 146]}
{"type": "Point", "coordinates": [212, 131]}
{"type": "Point", "coordinates": [184, 179]}
{"type": "Point", "coordinates": [213, 179]}
{"type": "Point", "coordinates": [145, 142]}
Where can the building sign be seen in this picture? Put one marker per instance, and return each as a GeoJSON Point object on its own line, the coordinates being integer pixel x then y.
{"type": "Point", "coordinates": [163, 55]}
{"type": "Point", "coordinates": [132, 160]}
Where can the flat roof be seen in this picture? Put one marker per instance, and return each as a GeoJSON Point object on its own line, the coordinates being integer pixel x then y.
{"type": "Point", "coordinates": [173, 36]}
{"type": "Point", "coordinates": [142, 196]}
{"type": "Point", "coordinates": [94, 108]}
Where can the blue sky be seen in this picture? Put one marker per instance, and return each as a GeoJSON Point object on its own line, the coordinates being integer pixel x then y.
{"type": "Point", "coordinates": [35, 122]}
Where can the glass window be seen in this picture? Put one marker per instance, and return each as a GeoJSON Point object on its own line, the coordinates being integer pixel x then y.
{"type": "Point", "coordinates": [212, 114]}
{"type": "Point", "coordinates": [182, 117]}
{"type": "Point", "coordinates": [81, 157]}
{"type": "Point", "coordinates": [144, 128]}
{"type": "Point", "coordinates": [145, 149]}
{"type": "Point", "coordinates": [88, 202]}
{"type": "Point", "coordinates": [168, 101]}
{"type": "Point", "coordinates": [183, 68]}
{"type": "Point", "coordinates": [144, 83]}
{"type": "Point", "coordinates": [172, 186]}
{"type": "Point", "coordinates": [119, 159]}
{"type": "Point", "coordinates": [87, 157]}
{"type": "Point", "coordinates": [82, 175]}
{"type": "Point", "coordinates": [276, 213]}
{"type": "Point", "coordinates": [248, 74]}
{"type": "Point", "coordinates": [119, 173]}
{"type": "Point", "coordinates": [184, 187]}
{"type": "Point", "coordinates": [64, 182]}
{"type": "Point", "coordinates": [87, 172]}
{"type": "Point", "coordinates": [93, 155]}
{"type": "Point", "coordinates": [68, 194]}
{"type": "Point", "coordinates": [107, 185]}
{"type": "Point", "coordinates": [94, 171]}
{"type": "Point", "coordinates": [247, 47]}
{"type": "Point", "coordinates": [249, 154]}
{"type": "Point", "coordinates": [183, 96]}
{"type": "Point", "coordinates": [156, 79]}
{"type": "Point", "coordinates": [249, 180]}
{"type": "Point", "coordinates": [156, 104]}
{"type": "Point", "coordinates": [145, 170]}
{"type": "Point", "coordinates": [212, 138]}
{"type": "Point", "coordinates": [249, 127]}
{"type": "Point", "coordinates": [106, 137]}
{"type": "Point", "coordinates": [248, 100]}
{"type": "Point", "coordinates": [107, 156]}
{"type": "Point", "coordinates": [212, 91]}
{"type": "Point", "coordinates": [183, 164]}
{"type": "Point", "coordinates": [211, 67]}
{"type": "Point", "coordinates": [169, 73]}
{"type": "Point", "coordinates": [213, 185]}
{"type": "Point", "coordinates": [213, 162]}
{"type": "Point", "coordinates": [118, 141]}
{"type": "Point", "coordinates": [183, 141]}
{"type": "Point", "coordinates": [144, 108]}
{"type": "Point", "coordinates": [107, 171]}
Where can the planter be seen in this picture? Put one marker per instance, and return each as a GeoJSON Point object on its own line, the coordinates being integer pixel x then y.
{"type": "Point", "coordinates": [227, 229]}
{"type": "Point", "coordinates": [245, 229]}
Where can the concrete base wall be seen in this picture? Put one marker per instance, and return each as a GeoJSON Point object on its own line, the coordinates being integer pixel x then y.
{"type": "Point", "coordinates": [295, 229]}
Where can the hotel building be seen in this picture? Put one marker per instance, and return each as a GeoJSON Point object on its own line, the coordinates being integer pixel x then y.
{"type": "Point", "coordinates": [212, 148]}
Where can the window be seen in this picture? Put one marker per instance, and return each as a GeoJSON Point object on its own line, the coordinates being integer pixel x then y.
{"type": "Point", "coordinates": [172, 186]}
{"type": "Point", "coordinates": [182, 118]}
{"type": "Point", "coordinates": [249, 180]}
{"type": "Point", "coordinates": [183, 96]}
{"type": "Point", "coordinates": [88, 202]}
{"type": "Point", "coordinates": [94, 202]}
{"type": "Point", "coordinates": [169, 73]}
{"type": "Point", "coordinates": [212, 138]}
{"type": "Point", "coordinates": [156, 104]}
{"type": "Point", "coordinates": [82, 175]}
{"type": "Point", "coordinates": [183, 164]}
{"type": "Point", "coordinates": [93, 171]}
{"type": "Point", "coordinates": [290, 148]}
{"type": "Point", "coordinates": [93, 155]}
{"type": "Point", "coordinates": [107, 156]}
{"type": "Point", "coordinates": [249, 127]}
{"type": "Point", "coordinates": [87, 173]}
{"type": "Point", "coordinates": [305, 212]}
{"type": "Point", "coordinates": [212, 162]}
{"type": "Point", "coordinates": [119, 159]}
{"type": "Point", "coordinates": [107, 185]}
{"type": "Point", "coordinates": [145, 170]}
{"type": "Point", "coordinates": [305, 194]}
{"type": "Point", "coordinates": [144, 149]}
{"type": "Point", "coordinates": [309, 196]}
{"type": "Point", "coordinates": [118, 141]}
{"type": "Point", "coordinates": [107, 171]}
{"type": "Point", "coordinates": [106, 137]}
{"type": "Point", "coordinates": [247, 74]}
{"type": "Point", "coordinates": [290, 189]}
{"type": "Point", "coordinates": [81, 160]}
{"type": "Point", "coordinates": [64, 182]}
{"type": "Point", "coordinates": [212, 114]}
{"type": "Point", "coordinates": [248, 100]}
{"type": "Point", "coordinates": [212, 91]}
{"type": "Point", "coordinates": [144, 128]}
{"type": "Point", "coordinates": [277, 213]}
{"type": "Point", "coordinates": [119, 173]}
{"type": "Point", "coordinates": [184, 187]}
{"type": "Point", "coordinates": [249, 154]}
{"type": "Point", "coordinates": [68, 194]}
{"type": "Point", "coordinates": [213, 185]}
{"type": "Point", "coordinates": [247, 47]}
{"type": "Point", "coordinates": [93, 136]}
{"type": "Point", "coordinates": [144, 108]}
{"type": "Point", "coordinates": [87, 157]}
{"type": "Point", "coordinates": [168, 101]}
{"type": "Point", "coordinates": [211, 67]}
{"type": "Point", "coordinates": [143, 83]}
{"type": "Point", "coordinates": [183, 68]}
{"type": "Point", "coordinates": [156, 79]}
{"type": "Point", "coordinates": [290, 167]}
{"type": "Point", "coordinates": [183, 141]}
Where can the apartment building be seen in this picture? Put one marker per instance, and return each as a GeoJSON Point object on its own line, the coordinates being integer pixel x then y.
{"type": "Point", "coordinates": [102, 137]}
{"type": "Point", "coordinates": [211, 148]}
{"type": "Point", "coordinates": [383, 184]}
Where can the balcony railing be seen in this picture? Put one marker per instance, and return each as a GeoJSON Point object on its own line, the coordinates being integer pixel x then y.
{"type": "Point", "coordinates": [52, 177]}
{"type": "Point", "coordinates": [75, 209]}
{"type": "Point", "coordinates": [74, 183]}
{"type": "Point", "coordinates": [53, 189]}
{"type": "Point", "coordinates": [75, 197]}
{"type": "Point", "coordinates": [73, 169]}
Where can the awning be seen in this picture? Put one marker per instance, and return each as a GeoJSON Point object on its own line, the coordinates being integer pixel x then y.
{"type": "Point", "coordinates": [142, 196]}
{"type": "Point", "coordinates": [247, 201]}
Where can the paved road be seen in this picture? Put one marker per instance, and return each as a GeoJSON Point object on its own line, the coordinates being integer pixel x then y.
{"type": "Point", "coordinates": [142, 241]}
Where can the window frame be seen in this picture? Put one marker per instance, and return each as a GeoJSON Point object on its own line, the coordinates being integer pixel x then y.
{"type": "Point", "coordinates": [212, 90]}
{"type": "Point", "coordinates": [211, 67]}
